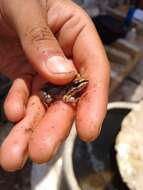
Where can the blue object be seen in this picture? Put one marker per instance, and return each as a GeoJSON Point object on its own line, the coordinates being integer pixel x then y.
{"type": "Point", "coordinates": [129, 16]}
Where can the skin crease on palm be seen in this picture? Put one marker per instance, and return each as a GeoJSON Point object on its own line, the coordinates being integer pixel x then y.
{"type": "Point", "coordinates": [46, 40]}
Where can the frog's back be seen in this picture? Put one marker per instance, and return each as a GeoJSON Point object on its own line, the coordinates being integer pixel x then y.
{"type": "Point", "coordinates": [55, 91]}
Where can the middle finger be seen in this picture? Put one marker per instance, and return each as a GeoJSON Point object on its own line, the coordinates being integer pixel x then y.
{"type": "Point", "coordinates": [51, 131]}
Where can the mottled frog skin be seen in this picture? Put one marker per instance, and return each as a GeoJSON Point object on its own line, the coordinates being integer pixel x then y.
{"type": "Point", "coordinates": [69, 93]}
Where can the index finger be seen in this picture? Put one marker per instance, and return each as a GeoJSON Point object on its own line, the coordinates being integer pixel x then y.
{"type": "Point", "coordinates": [90, 58]}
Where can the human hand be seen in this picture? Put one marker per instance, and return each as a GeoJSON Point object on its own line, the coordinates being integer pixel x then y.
{"type": "Point", "coordinates": [43, 31]}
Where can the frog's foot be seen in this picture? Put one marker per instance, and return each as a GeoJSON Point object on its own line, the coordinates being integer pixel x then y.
{"type": "Point", "coordinates": [45, 98]}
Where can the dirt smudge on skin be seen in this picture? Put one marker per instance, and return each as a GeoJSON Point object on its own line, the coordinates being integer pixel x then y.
{"type": "Point", "coordinates": [53, 127]}
{"type": "Point", "coordinates": [29, 130]}
{"type": "Point", "coordinates": [15, 142]}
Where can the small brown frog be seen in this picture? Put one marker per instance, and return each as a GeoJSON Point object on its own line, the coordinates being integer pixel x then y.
{"type": "Point", "coordinates": [69, 93]}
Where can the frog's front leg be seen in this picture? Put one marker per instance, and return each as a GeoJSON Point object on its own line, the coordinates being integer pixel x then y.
{"type": "Point", "coordinates": [70, 99]}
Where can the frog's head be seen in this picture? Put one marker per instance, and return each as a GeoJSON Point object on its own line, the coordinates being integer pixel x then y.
{"type": "Point", "coordinates": [76, 89]}
{"type": "Point", "coordinates": [79, 84]}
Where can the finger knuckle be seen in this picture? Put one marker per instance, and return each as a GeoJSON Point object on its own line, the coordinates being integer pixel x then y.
{"type": "Point", "coordinates": [37, 34]}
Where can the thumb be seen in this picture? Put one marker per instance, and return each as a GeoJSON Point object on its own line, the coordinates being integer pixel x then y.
{"type": "Point", "coordinates": [39, 44]}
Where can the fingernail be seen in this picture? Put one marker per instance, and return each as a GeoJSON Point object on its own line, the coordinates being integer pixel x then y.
{"type": "Point", "coordinates": [60, 65]}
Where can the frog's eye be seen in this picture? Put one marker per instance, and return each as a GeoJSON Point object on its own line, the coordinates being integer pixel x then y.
{"type": "Point", "coordinates": [77, 82]}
